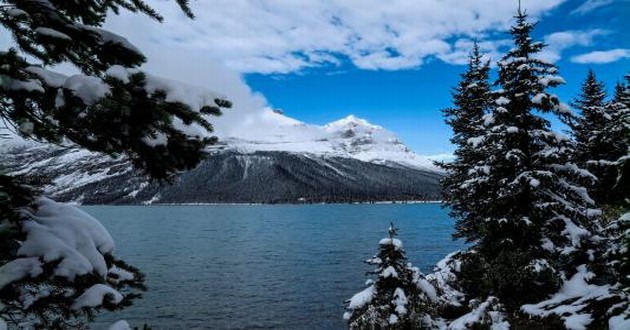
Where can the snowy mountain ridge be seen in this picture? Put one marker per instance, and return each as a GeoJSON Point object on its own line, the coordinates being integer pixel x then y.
{"type": "Point", "coordinates": [349, 137]}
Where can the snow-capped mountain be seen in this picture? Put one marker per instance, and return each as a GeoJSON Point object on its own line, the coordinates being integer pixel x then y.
{"type": "Point", "coordinates": [271, 159]}
{"type": "Point", "coordinates": [350, 137]}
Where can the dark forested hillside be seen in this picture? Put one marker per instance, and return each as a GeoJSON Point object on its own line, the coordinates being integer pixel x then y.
{"type": "Point", "coordinates": [226, 177]}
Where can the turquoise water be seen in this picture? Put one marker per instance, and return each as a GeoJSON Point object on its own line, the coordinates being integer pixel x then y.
{"type": "Point", "coordinates": [261, 266]}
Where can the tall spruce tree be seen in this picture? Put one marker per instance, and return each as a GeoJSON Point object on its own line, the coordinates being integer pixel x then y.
{"type": "Point", "coordinates": [598, 137]}
{"type": "Point", "coordinates": [532, 221]}
{"type": "Point", "coordinates": [56, 266]}
{"type": "Point", "coordinates": [472, 100]}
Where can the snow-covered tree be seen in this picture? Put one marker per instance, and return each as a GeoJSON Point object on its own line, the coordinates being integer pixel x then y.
{"type": "Point", "coordinates": [598, 135]}
{"type": "Point", "coordinates": [534, 222]}
{"type": "Point", "coordinates": [590, 103]}
{"type": "Point", "coordinates": [621, 129]}
{"type": "Point", "coordinates": [56, 262]}
{"type": "Point", "coordinates": [472, 100]}
{"type": "Point", "coordinates": [539, 252]}
{"type": "Point", "coordinates": [394, 300]}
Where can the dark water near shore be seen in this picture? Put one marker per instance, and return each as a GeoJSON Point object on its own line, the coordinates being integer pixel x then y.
{"type": "Point", "coordinates": [261, 266]}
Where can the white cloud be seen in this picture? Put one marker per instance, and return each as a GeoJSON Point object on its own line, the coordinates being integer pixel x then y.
{"type": "Point", "coordinates": [602, 57]}
{"type": "Point", "coordinates": [560, 41]}
{"type": "Point", "coordinates": [590, 5]}
{"type": "Point", "coordinates": [193, 67]}
{"type": "Point", "coordinates": [492, 50]}
{"type": "Point", "coordinates": [277, 36]}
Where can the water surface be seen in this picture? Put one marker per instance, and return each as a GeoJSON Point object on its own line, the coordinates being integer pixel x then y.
{"type": "Point", "coordinates": [261, 266]}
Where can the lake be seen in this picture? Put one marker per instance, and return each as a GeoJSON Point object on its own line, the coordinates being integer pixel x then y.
{"type": "Point", "coordinates": [261, 266]}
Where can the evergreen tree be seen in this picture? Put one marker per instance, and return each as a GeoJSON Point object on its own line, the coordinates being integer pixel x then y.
{"type": "Point", "coordinates": [472, 100]}
{"type": "Point", "coordinates": [111, 107]}
{"type": "Point", "coordinates": [621, 228]}
{"type": "Point", "coordinates": [598, 138]}
{"type": "Point", "coordinates": [393, 300]}
{"type": "Point", "coordinates": [531, 221]}
{"type": "Point", "coordinates": [590, 103]}
{"type": "Point", "coordinates": [621, 130]}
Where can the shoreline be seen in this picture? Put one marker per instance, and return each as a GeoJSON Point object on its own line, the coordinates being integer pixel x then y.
{"type": "Point", "coordinates": [260, 204]}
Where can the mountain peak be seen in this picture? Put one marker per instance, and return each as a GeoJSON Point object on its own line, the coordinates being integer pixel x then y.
{"type": "Point", "coordinates": [351, 121]}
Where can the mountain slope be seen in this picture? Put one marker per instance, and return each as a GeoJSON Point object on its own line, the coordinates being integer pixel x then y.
{"type": "Point", "coordinates": [226, 176]}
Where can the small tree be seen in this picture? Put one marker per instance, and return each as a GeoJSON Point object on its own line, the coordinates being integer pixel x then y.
{"type": "Point", "coordinates": [393, 300]}
{"type": "Point", "coordinates": [56, 264]}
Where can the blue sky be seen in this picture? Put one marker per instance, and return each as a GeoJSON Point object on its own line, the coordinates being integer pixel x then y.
{"type": "Point", "coordinates": [408, 100]}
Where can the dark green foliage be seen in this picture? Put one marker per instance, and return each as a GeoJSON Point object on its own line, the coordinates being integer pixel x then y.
{"type": "Point", "coordinates": [497, 277]}
{"type": "Point", "coordinates": [13, 196]}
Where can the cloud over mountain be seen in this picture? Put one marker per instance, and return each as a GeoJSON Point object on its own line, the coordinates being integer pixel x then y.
{"type": "Point", "coordinates": [287, 36]}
